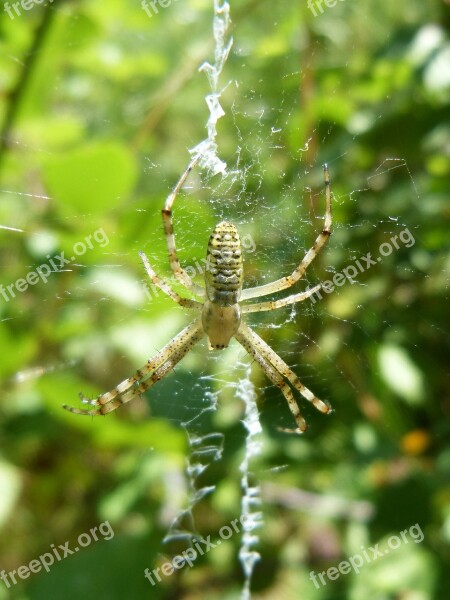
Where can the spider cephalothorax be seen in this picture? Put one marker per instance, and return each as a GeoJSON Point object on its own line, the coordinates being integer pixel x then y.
{"type": "Point", "coordinates": [220, 313]}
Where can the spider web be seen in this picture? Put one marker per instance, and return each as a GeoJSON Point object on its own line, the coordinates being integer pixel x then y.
{"type": "Point", "coordinates": [209, 447]}
{"type": "Point", "coordinates": [267, 205]}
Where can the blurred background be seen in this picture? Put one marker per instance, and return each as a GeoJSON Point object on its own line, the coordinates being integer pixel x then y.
{"type": "Point", "coordinates": [99, 106]}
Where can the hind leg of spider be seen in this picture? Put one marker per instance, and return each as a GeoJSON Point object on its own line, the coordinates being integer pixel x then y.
{"type": "Point", "coordinates": [283, 368]}
{"type": "Point", "coordinates": [275, 378]}
{"type": "Point", "coordinates": [155, 369]}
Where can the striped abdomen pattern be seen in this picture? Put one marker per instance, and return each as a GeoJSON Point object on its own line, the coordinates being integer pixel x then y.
{"type": "Point", "coordinates": [224, 270]}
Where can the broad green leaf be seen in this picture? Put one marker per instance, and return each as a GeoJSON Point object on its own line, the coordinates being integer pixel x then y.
{"type": "Point", "coordinates": [92, 178]}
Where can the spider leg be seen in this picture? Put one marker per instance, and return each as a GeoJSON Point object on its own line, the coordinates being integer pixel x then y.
{"type": "Point", "coordinates": [177, 269]}
{"type": "Point", "coordinates": [274, 304]}
{"type": "Point", "coordinates": [319, 243]}
{"type": "Point", "coordinates": [165, 287]}
{"type": "Point", "coordinates": [270, 355]}
{"type": "Point", "coordinates": [245, 340]}
{"type": "Point", "coordinates": [157, 367]}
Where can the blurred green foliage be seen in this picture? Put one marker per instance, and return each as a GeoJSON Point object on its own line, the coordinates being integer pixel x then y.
{"type": "Point", "coordinates": [99, 105]}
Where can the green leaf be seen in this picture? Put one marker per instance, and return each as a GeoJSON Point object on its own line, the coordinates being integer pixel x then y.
{"type": "Point", "coordinates": [92, 178]}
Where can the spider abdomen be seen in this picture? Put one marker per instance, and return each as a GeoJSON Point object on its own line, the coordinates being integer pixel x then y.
{"type": "Point", "coordinates": [224, 270]}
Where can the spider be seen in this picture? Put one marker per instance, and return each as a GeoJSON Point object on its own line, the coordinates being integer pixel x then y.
{"type": "Point", "coordinates": [220, 314]}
